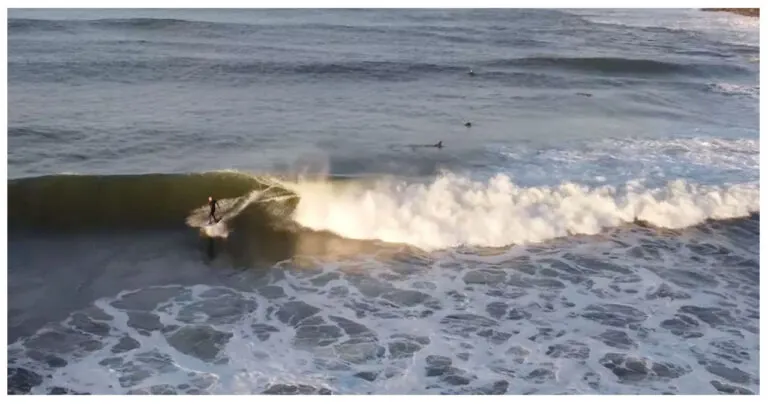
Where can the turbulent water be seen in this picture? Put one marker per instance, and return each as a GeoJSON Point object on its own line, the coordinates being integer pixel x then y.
{"type": "Point", "coordinates": [589, 225]}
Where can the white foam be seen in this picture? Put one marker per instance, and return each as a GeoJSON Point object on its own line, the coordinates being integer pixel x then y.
{"type": "Point", "coordinates": [454, 210]}
{"type": "Point", "coordinates": [217, 230]}
{"type": "Point", "coordinates": [737, 90]}
{"type": "Point", "coordinates": [725, 26]}
{"type": "Point", "coordinates": [616, 161]}
{"type": "Point", "coordinates": [228, 210]}
{"type": "Point", "coordinates": [253, 364]}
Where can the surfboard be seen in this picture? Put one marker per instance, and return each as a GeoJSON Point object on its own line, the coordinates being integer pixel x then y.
{"type": "Point", "coordinates": [217, 230]}
{"type": "Point", "coordinates": [228, 209]}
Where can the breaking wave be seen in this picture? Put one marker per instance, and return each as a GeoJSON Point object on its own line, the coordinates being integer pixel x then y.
{"type": "Point", "coordinates": [448, 211]}
{"type": "Point", "coordinates": [455, 211]}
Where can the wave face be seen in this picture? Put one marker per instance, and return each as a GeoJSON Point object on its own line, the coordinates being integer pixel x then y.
{"type": "Point", "coordinates": [455, 211]}
{"type": "Point", "coordinates": [594, 231]}
{"type": "Point", "coordinates": [530, 71]}
{"type": "Point", "coordinates": [624, 66]}
{"type": "Point", "coordinates": [155, 201]}
{"type": "Point", "coordinates": [451, 211]}
{"type": "Point", "coordinates": [448, 212]}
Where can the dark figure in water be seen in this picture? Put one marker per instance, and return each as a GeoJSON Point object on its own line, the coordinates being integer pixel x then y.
{"type": "Point", "coordinates": [438, 145]}
{"type": "Point", "coordinates": [212, 215]}
{"type": "Point", "coordinates": [467, 124]}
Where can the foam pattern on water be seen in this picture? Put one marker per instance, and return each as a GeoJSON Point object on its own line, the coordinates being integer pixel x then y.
{"type": "Point", "coordinates": [727, 27]}
{"type": "Point", "coordinates": [634, 311]}
{"type": "Point", "coordinates": [751, 92]}
{"type": "Point", "coordinates": [614, 161]}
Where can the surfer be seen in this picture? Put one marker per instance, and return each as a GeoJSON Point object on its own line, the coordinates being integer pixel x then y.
{"type": "Point", "coordinates": [438, 145]}
{"type": "Point", "coordinates": [212, 203]}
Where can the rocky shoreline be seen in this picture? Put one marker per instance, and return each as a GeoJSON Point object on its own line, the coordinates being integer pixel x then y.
{"type": "Point", "coordinates": [749, 12]}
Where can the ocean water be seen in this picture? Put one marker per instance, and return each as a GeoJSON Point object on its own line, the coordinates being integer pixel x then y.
{"type": "Point", "coordinates": [590, 224]}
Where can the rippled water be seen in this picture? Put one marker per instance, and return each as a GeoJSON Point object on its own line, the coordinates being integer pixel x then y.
{"type": "Point", "coordinates": [594, 229]}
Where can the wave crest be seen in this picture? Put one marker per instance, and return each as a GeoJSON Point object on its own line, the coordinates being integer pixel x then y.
{"type": "Point", "coordinates": [454, 211]}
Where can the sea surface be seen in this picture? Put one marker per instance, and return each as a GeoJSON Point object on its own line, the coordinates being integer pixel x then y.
{"type": "Point", "coordinates": [590, 224]}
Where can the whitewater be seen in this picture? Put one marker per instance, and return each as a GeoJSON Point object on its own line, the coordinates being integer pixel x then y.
{"type": "Point", "coordinates": [588, 225]}
{"type": "Point", "coordinates": [455, 211]}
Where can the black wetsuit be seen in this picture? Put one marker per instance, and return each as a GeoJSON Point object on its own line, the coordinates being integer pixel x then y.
{"type": "Point", "coordinates": [213, 211]}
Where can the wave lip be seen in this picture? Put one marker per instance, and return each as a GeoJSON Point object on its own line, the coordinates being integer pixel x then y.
{"type": "Point", "coordinates": [455, 211]}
